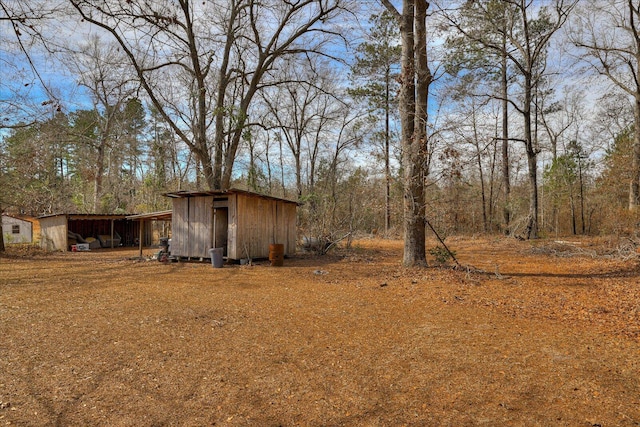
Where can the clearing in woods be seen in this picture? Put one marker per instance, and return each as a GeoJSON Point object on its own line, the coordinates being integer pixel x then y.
{"type": "Point", "coordinates": [531, 333]}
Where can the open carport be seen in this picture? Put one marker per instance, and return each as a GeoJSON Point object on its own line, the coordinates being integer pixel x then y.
{"type": "Point", "coordinates": [58, 232]}
{"type": "Point", "coordinates": [145, 226]}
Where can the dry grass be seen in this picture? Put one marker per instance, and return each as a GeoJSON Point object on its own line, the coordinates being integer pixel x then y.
{"type": "Point", "coordinates": [523, 336]}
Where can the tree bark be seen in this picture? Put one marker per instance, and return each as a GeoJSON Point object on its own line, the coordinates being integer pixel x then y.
{"type": "Point", "coordinates": [414, 91]}
{"type": "Point", "coordinates": [387, 154]}
{"type": "Point", "coordinates": [415, 254]}
{"type": "Point", "coordinates": [506, 180]}
{"type": "Point", "coordinates": [532, 162]}
{"type": "Point", "coordinates": [483, 190]}
{"type": "Point", "coordinates": [634, 185]}
{"type": "Point", "coordinates": [2, 248]}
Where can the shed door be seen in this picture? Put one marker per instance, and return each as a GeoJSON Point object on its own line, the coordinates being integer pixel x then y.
{"type": "Point", "coordinates": [221, 228]}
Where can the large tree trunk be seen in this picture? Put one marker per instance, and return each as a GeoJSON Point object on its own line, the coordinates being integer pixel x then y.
{"type": "Point", "coordinates": [423, 76]}
{"type": "Point", "coordinates": [532, 223]}
{"type": "Point", "coordinates": [1, 233]}
{"type": "Point", "coordinates": [634, 185]}
{"type": "Point", "coordinates": [483, 190]}
{"type": "Point", "coordinates": [532, 162]}
{"type": "Point", "coordinates": [414, 91]}
{"type": "Point", "coordinates": [407, 112]}
{"type": "Point", "coordinates": [506, 181]}
{"type": "Point", "coordinates": [581, 194]}
{"type": "Point", "coordinates": [387, 155]}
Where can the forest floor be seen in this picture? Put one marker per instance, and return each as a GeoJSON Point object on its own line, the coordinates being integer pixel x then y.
{"type": "Point", "coordinates": [523, 334]}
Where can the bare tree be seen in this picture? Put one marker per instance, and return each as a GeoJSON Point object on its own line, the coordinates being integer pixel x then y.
{"type": "Point", "coordinates": [99, 67]}
{"type": "Point", "coordinates": [293, 110]}
{"type": "Point", "coordinates": [559, 116]}
{"type": "Point", "coordinates": [609, 34]}
{"type": "Point", "coordinates": [472, 130]}
{"type": "Point", "coordinates": [224, 50]}
{"type": "Point", "coordinates": [483, 68]}
{"type": "Point", "coordinates": [527, 43]}
{"type": "Point", "coordinates": [304, 111]}
{"type": "Point", "coordinates": [614, 113]}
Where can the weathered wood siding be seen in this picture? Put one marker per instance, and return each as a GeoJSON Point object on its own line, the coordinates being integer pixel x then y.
{"type": "Point", "coordinates": [233, 251]}
{"type": "Point", "coordinates": [192, 227]}
{"type": "Point", "coordinates": [179, 226]}
{"type": "Point", "coordinates": [286, 229]}
{"type": "Point", "coordinates": [201, 226]}
{"type": "Point", "coordinates": [259, 222]}
{"type": "Point", "coordinates": [53, 233]}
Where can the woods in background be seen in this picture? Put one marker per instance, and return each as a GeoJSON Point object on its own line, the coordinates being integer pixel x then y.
{"type": "Point", "coordinates": [526, 127]}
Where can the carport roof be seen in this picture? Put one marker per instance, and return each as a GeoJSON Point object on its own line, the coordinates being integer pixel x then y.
{"type": "Point", "coordinates": [157, 216]}
{"type": "Point", "coordinates": [87, 216]}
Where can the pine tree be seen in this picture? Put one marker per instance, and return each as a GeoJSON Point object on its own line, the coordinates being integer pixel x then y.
{"type": "Point", "coordinates": [376, 66]}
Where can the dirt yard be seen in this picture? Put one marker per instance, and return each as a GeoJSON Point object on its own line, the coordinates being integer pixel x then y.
{"type": "Point", "coordinates": [525, 334]}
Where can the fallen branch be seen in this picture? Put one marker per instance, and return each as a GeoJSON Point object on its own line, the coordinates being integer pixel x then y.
{"type": "Point", "coordinates": [335, 242]}
{"type": "Point", "coordinates": [453, 257]}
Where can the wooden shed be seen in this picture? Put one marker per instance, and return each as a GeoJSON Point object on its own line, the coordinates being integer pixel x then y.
{"type": "Point", "coordinates": [241, 222]}
{"type": "Point", "coordinates": [17, 230]}
{"type": "Point", "coordinates": [60, 231]}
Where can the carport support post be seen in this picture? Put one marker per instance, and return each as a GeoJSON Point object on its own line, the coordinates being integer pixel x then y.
{"type": "Point", "coordinates": [112, 234]}
{"type": "Point", "coordinates": [140, 237]}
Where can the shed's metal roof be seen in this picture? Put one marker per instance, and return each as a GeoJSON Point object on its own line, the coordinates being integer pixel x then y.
{"type": "Point", "coordinates": [184, 194]}
{"type": "Point", "coordinates": [17, 217]}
